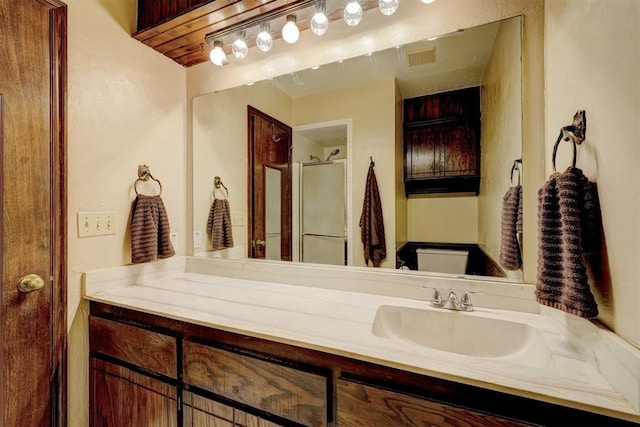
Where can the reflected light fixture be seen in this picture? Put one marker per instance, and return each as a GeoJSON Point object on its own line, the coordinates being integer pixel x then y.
{"type": "Point", "coordinates": [239, 47]}
{"type": "Point", "coordinates": [388, 7]}
{"type": "Point", "coordinates": [353, 13]}
{"type": "Point", "coordinates": [319, 21]}
{"type": "Point", "coordinates": [264, 41]}
{"type": "Point", "coordinates": [217, 55]}
{"type": "Point", "coordinates": [290, 32]}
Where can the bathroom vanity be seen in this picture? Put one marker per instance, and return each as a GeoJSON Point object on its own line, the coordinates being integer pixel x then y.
{"type": "Point", "coordinates": [199, 342]}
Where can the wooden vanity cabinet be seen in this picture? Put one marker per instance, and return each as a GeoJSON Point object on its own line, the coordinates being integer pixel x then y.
{"type": "Point", "coordinates": [148, 370]}
{"type": "Point", "coordinates": [252, 380]}
{"type": "Point", "coordinates": [133, 375]}
{"type": "Point", "coordinates": [366, 405]}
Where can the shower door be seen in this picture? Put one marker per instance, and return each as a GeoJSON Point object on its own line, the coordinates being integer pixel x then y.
{"type": "Point", "coordinates": [323, 213]}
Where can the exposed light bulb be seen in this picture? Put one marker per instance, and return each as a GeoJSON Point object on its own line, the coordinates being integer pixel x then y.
{"type": "Point", "coordinates": [264, 41]}
{"type": "Point", "coordinates": [388, 7]}
{"type": "Point", "coordinates": [239, 47]}
{"type": "Point", "coordinates": [353, 13]}
{"type": "Point", "coordinates": [290, 32]}
{"type": "Point", "coordinates": [319, 23]}
{"type": "Point", "coordinates": [217, 55]}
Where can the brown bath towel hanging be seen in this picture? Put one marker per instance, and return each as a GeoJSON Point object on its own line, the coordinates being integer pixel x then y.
{"type": "Point", "coordinates": [150, 235]}
{"type": "Point", "coordinates": [511, 225]}
{"type": "Point", "coordinates": [219, 225]}
{"type": "Point", "coordinates": [568, 225]}
{"type": "Point", "coordinates": [372, 222]}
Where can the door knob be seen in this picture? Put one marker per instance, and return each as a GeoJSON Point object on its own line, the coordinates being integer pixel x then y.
{"type": "Point", "coordinates": [30, 283]}
{"type": "Point", "coordinates": [259, 243]}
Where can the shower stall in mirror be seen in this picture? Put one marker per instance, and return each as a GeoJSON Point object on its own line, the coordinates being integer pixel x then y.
{"type": "Point", "coordinates": [323, 212]}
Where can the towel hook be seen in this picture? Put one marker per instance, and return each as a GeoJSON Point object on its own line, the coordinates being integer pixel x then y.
{"type": "Point", "coordinates": [144, 173]}
{"type": "Point", "coordinates": [575, 133]}
{"type": "Point", "coordinates": [217, 183]}
{"type": "Point", "coordinates": [517, 165]}
{"type": "Point", "coordinates": [274, 137]}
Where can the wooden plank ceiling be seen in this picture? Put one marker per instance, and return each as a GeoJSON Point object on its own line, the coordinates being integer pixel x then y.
{"type": "Point", "coordinates": [180, 34]}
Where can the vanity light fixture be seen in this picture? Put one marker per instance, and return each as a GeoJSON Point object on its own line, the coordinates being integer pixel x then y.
{"type": "Point", "coordinates": [264, 41]}
{"type": "Point", "coordinates": [217, 55]}
{"type": "Point", "coordinates": [290, 32]}
{"type": "Point", "coordinates": [313, 14]}
{"type": "Point", "coordinates": [388, 7]}
{"type": "Point", "coordinates": [427, 1]}
{"type": "Point", "coordinates": [353, 13]}
{"type": "Point", "coordinates": [239, 47]}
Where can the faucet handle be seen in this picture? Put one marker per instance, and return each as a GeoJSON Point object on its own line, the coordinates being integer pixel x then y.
{"type": "Point", "coordinates": [436, 298]}
{"type": "Point", "coordinates": [465, 301]}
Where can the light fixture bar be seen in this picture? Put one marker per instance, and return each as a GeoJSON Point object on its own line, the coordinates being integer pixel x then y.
{"type": "Point", "coordinates": [256, 20]}
{"type": "Point", "coordinates": [282, 12]}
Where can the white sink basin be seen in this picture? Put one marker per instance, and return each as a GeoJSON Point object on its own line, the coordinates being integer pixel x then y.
{"type": "Point", "coordinates": [466, 333]}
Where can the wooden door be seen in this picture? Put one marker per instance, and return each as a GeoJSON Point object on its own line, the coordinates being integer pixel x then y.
{"type": "Point", "coordinates": [33, 198]}
{"type": "Point", "coordinates": [269, 147]}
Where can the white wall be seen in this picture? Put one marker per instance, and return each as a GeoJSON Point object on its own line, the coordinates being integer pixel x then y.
{"type": "Point", "coordinates": [442, 219]}
{"type": "Point", "coordinates": [126, 106]}
{"type": "Point", "coordinates": [592, 62]}
{"type": "Point", "coordinates": [501, 128]}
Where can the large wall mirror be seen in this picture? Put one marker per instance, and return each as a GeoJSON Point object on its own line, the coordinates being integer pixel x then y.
{"type": "Point", "coordinates": [347, 113]}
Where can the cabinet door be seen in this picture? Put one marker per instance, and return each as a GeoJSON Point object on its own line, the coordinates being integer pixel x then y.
{"type": "Point", "coordinates": [363, 405]}
{"type": "Point", "coordinates": [121, 397]}
{"type": "Point", "coordinates": [271, 387]}
{"type": "Point", "coordinates": [198, 411]}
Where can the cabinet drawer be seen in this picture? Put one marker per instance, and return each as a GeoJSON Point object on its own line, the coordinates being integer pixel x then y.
{"type": "Point", "coordinates": [364, 405]}
{"type": "Point", "coordinates": [149, 350]}
{"type": "Point", "coordinates": [280, 390]}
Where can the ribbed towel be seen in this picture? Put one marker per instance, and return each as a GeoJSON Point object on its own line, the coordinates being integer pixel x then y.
{"type": "Point", "coordinates": [372, 223]}
{"type": "Point", "coordinates": [510, 256]}
{"type": "Point", "coordinates": [150, 236]}
{"type": "Point", "coordinates": [568, 226]}
{"type": "Point", "coordinates": [219, 224]}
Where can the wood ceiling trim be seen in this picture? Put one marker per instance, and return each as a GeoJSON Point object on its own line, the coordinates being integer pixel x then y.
{"type": "Point", "coordinates": [182, 38]}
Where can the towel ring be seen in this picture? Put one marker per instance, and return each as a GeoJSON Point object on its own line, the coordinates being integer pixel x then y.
{"type": "Point", "coordinates": [217, 183]}
{"type": "Point", "coordinates": [144, 173]}
{"type": "Point", "coordinates": [576, 133]}
{"type": "Point", "coordinates": [517, 165]}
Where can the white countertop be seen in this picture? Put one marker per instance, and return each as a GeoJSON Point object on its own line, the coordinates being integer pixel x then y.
{"type": "Point", "coordinates": [578, 374]}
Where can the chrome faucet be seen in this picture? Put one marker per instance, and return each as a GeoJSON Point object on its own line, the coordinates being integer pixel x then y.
{"type": "Point", "coordinates": [452, 302]}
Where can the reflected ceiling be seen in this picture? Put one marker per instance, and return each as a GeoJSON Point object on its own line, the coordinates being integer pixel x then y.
{"type": "Point", "coordinates": [452, 61]}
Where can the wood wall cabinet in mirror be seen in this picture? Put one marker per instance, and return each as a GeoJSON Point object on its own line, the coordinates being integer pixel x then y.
{"type": "Point", "coordinates": [442, 142]}
{"type": "Point", "coordinates": [367, 93]}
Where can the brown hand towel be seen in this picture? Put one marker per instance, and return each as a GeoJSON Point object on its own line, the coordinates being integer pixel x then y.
{"type": "Point", "coordinates": [219, 224]}
{"type": "Point", "coordinates": [150, 236]}
{"type": "Point", "coordinates": [510, 257]}
{"type": "Point", "coordinates": [372, 223]}
{"type": "Point", "coordinates": [566, 212]}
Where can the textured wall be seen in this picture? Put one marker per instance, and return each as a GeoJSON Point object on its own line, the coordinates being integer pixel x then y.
{"type": "Point", "coordinates": [592, 62]}
{"type": "Point", "coordinates": [126, 106]}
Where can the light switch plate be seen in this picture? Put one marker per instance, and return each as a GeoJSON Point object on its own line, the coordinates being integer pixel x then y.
{"type": "Point", "coordinates": [197, 239]}
{"type": "Point", "coordinates": [96, 223]}
{"type": "Point", "coordinates": [237, 218]}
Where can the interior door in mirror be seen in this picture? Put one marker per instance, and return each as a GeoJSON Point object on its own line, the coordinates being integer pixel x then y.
{"type": "Point", "coordinates": [269, 156]}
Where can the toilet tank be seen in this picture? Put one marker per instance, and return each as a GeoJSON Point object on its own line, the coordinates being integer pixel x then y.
{"type": "Point", "coordinates": [452, 261]}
